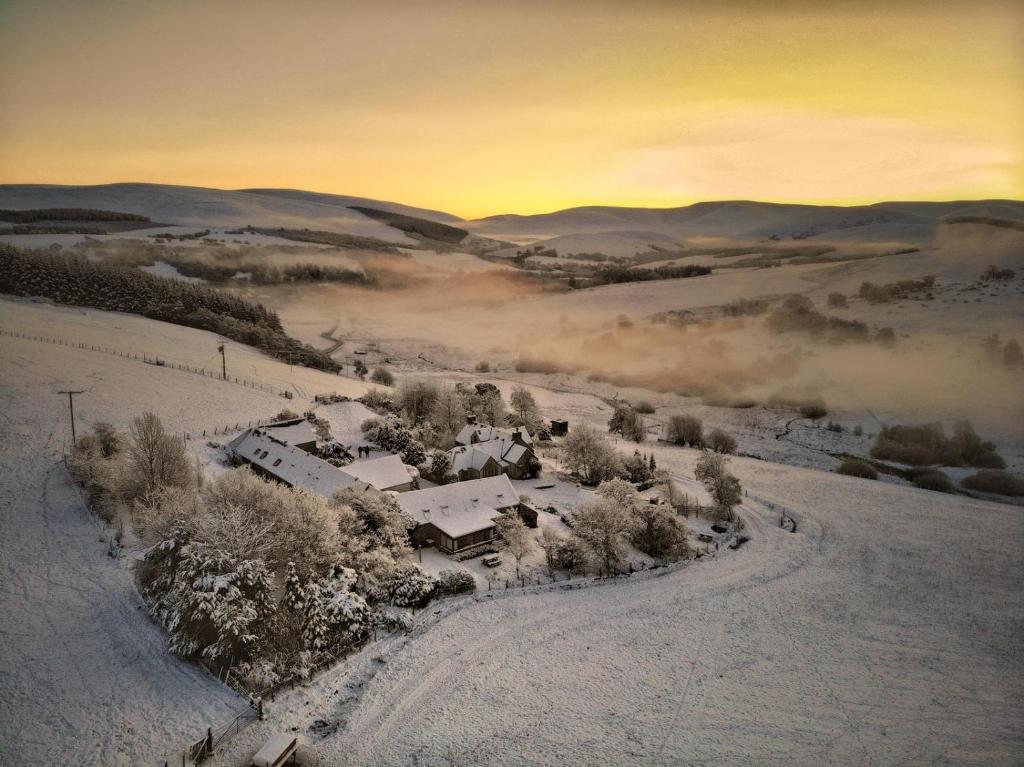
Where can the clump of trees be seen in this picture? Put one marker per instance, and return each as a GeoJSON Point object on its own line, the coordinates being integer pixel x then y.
{"type": "Point", "coordinates": [75, 280]}
{"type": "Point", "coordinates": [628, 422]}
{"type": "Point", "coordinates": [590, 456]}
{"type": "Point", "coordinates": [994, 274]}
{"type": "Point", "coordinates": [994, 481]}
{"type": "Point", "coordinates": [894, 291]}
{"type": "Point", "coordinates": [725, 490]}
{"type": "Point", "coordinates": [928, 445]}
{"type": "Point", "coordinates": [797, 314]}
{"type": "Point", "coordinates": [247, 573]}
{"type": "Point", "coordinates": [614, 274]}
{"type": "Point", "coordinates": [619, 516]}
{"type": "Point", "coordinates": [685, 430]}
{"type": "Point", "coordinates": [383, 376]}
{"type": "Point", "coordinates": [721, 442]}
{"type": "Point", "coordinates": [393, 435]}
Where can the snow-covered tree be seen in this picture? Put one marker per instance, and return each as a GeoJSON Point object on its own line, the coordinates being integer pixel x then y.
{"type": "Point", "coordinates": [603, 525]}
{"type": "Point", "coordinates": [293, 593]}
{"type": "Point", "coordinates": [590, 456]}
{"type": "Point", "coordinates": [516, 536]}
{"type": "Point", "coordinates": [659, 531]}
{"type": "Point", "coordinates": [524, 408]}
{"type": "Point", "coordinates": [411, 587]}
{"type": "Point", "coordinates": [723, 487]}
{"type": "Point", "coordinates": [315, 628]}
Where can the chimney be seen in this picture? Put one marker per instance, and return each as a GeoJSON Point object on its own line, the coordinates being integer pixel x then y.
{"type": "Point", "coordinates": [471, 420]}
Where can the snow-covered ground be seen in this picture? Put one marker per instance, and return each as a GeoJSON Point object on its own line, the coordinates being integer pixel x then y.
{"type": "Point", "coordinates": [885, 631]}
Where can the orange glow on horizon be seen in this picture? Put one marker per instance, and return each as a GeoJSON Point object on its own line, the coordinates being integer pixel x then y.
{"type": "Point", "coordinates": [477, 109]}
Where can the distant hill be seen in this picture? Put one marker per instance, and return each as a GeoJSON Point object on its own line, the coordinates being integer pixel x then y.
{"type": "Point", "coordinates": [912, 222]}
{"type": "Point", "coordinates": [616, 230]}
{"type": "Point", "coordinates": [203, 207]}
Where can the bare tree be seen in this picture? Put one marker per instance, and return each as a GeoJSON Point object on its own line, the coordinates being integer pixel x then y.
{"type": "Point", "coordinates": [551, 542]}
{"type": "Point", "coordinates": [448, 415]}
{"type": "Point", "coordinates": [525, 408]}
{"type": "Point", "coordinates": [723, 487]}
{"type": "Point", "coordinates": [416, 397]}
{"type": "Point", "coordinates": [155, 458]}
{"type": "Point", "coordinates": [590, 455]}
{"type": "Point", "coordinates": [514, 532]}
{"type": "Point", "coordinates": [603, 525]}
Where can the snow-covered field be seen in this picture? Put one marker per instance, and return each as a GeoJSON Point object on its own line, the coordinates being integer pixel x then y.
{"type": "Point", "coordinates": [885, 631]}
{"type": "Point", "coordinates": [85, 676]}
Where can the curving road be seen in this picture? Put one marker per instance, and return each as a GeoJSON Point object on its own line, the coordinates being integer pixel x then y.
{"type": "Point", "coordinates": [887, 631]}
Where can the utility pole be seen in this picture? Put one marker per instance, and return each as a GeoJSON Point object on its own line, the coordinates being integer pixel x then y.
{"type": "Point", "coordinates": [223, 361]}
{"type": "Point", "coordinates": [71, 405]}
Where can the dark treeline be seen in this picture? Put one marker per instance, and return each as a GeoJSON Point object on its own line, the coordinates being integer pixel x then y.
{"type": "Point", "coordinates": [610, 275]}
{"type": "Point", "coordinates": [268, 274]}
{"type": "Point", "coordinates": [337, 239]}
{"type": "Point", "coordinates": [422, 227]}
{"type": "Point", "coordinates": [66, 214]}
{"type": "Point", "coordinates": [71, 279]}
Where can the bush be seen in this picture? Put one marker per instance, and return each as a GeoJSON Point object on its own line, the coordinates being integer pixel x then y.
{"type": "Point", "coordinates": [995, 481]}
{"type": "Point", "coordinates": [721, 442]}
{"type": "Point", "coordinates": [483, 367]}
{"type": "Point", "coordinates": [934, 480]}
{"type": "Point", "coordinates": [451, 582]}
{"type": "Point", "coordinates": [852, 467]}
{"type": "Point", "coordinates": [927, 444]}
{"type": "Point", "coordinates": [685, 430]}
{"type": "Point", "coordinates": [814, 409]}
{"type": "Point", "coordinates": [643, 406]}
{"type": "Point", "coordinates": [379, 401]}
{"type": "Point", "coordinates": [836, 300]}
{"type": "Point", "coordinates": [383, 376]}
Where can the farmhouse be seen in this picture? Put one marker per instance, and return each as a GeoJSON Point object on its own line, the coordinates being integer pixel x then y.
{"type": "Point", "coordinates": [460, 515]}
{"type": "Point", "coordinates": [274, 458]}
{"type": "Point", "coordinates": [486, 451]}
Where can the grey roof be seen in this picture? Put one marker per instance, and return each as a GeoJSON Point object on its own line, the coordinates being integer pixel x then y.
{"type": "Point", "coordinates": [487, 433]}
{"type": "Point", "coordinates": [503, 450]}
{"type": "Point", "coordinates": [461, 507]}
{"type": "Point", "coordinates": [292, 465]}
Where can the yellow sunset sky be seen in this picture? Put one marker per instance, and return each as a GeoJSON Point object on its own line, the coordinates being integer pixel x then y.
{"type": "Point", "coordinates": [479, 108]}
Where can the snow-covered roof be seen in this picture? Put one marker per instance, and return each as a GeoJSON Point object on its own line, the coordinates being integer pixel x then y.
{"type": "Point", "coordinates": [474, 456]}
{"type": "Point", "coordinates": [487, 433]}
{"type": "Point", "coordinates": [292, 465]}
{"type": "Point", "coordinates": [296, 432]}
{"type": "Point", "coordinates": [461, 507]}
{"type": "Point", "coordinates": [383, 473]}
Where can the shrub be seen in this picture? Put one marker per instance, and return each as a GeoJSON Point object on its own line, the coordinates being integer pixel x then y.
{"type": "Point", "coordinates": [814, 409]}
{"type": "Point", "coordinates": [852, 467]}
{"type": "Point", "coordinates": [836, 300]}
{"type": "Point", "coordinates": [643, 406]}
{"type": "Point", "coordinates": [927, 444]}
{"type": "Point", "coordinates": [721, 442]}
{"type": "Point", "coordinates": [936, 481]}
{"type": "Point", "coordinates": [995, 481]}
{"type": "Point", "coordinates": [383, 376]}
{"type": "Point", "coordinates": [483, 367]}
{"type": "Point", "coordinates": [685, 430]}
{"type": "Point", "coordinates": [378, 400]}
{"type": "Point", "coordinates": [451, 582]}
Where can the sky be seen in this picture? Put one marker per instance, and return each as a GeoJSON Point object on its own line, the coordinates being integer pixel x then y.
{"type": "Point", "coordinates": [481, 107]}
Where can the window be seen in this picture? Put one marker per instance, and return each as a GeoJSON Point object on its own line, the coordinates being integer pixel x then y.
{"type": "Point", "coordinates": [277, 462]}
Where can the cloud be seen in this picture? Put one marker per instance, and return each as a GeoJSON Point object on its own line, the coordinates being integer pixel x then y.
{"type": "Point", "coordinates": [788, 155]}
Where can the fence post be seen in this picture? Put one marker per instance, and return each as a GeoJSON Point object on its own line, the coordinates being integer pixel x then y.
{"type": "Point", "coordinates": [209, 740]}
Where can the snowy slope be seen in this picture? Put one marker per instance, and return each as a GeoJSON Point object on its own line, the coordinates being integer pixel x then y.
{"type": "Point", "coordinates": [875, 635]}
{"type": "Point", "coordinates": [85, 676]}
{"type": "Point", "coordinates": [199, 206]}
